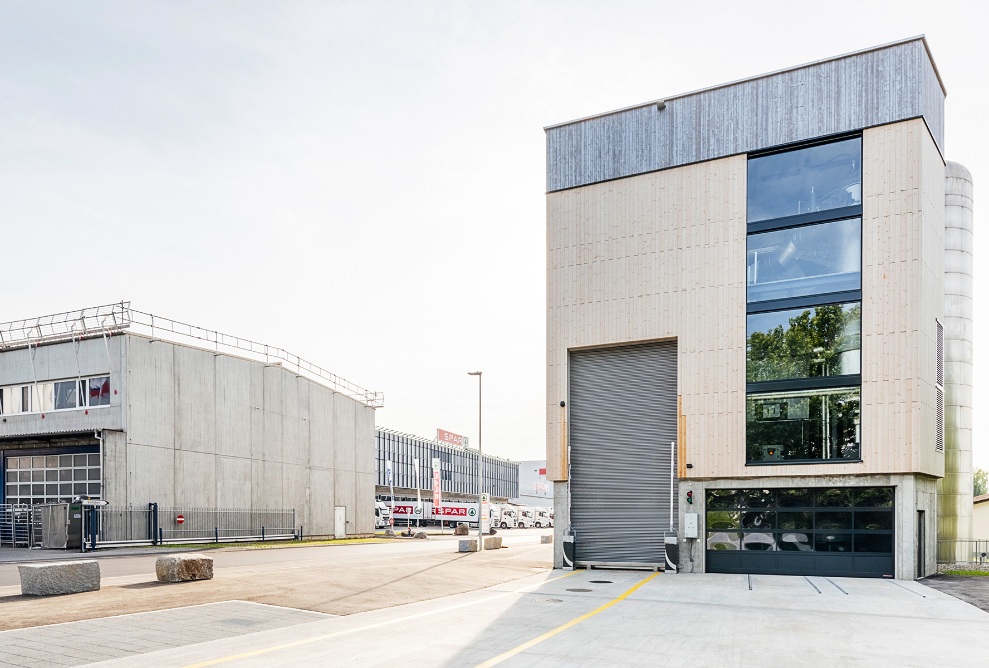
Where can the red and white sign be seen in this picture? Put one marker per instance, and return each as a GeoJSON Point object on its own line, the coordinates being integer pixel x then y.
{"type": "Point", "coordinates": [450, 511]}
{"type": "Point", "coordinates": [436, 482]}
{"type": "Point", "coordinates": [449, 438]}
{"type": "Point", "coordinates": [179, 519]}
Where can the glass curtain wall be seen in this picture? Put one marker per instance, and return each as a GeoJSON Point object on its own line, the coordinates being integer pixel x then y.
{"type": "Point", "coordinates": [804, 313]}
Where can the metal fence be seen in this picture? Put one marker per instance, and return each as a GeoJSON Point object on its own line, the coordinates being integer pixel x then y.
{"type": "Point", "coordinates": [963, 551]}
{"type": "Point", "coordinates": [17, 528]}
{"type": "Point", "coordinates": [106, 526]}
{"type": "Point", "coordinates": [191, 525]}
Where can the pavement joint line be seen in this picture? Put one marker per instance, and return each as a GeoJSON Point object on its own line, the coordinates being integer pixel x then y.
{"type": "Point", "coordinates": [836, 586]}
{"type": "Point", "coordinates": [368, 627]}
{"type": "Point", "coordinates": [907, 588]}
{"type": "Point", "coordinates": [814, 585]}
{"type": "Point", "coordinates": [560, 629]}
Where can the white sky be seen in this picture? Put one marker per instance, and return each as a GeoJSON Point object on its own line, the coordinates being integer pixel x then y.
{"type": "Point", "coordinates": [362, 183]}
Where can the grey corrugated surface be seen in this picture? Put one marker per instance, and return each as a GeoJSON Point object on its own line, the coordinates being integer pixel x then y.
{"type": "Point", "coordinates": [872, 88]}
{"type": "Point", "coordinates": [622, 422]}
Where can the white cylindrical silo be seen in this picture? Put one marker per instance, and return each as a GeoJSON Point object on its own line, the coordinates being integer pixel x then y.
{"type": "Point", "coordinates": [955, 489]}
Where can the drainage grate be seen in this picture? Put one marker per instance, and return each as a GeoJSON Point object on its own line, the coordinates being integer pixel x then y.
{"type": "Point", "coordinates": [580, 590]}
{"type": "Point", "coordinates": [600, 582]}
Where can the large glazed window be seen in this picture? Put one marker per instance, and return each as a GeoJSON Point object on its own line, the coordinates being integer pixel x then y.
{"type": "Point", "coordinates": [808, 180]}
{"type": "Point", "coordinates": [804, 426]}
{"type": "Point", "coordinates": [804, 304]}
{"type": "Point", "coordinates": [807, 260]}
{"type": "Point", "coordinates": [814, 342]}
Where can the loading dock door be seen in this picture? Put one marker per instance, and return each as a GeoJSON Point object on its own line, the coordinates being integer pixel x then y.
{"type": "Point", "coordinates": [622, 423]}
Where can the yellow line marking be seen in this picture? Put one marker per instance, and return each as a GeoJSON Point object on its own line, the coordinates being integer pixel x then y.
{"type": "Point", "coordinates": [327, 636]}
{"type": "Point", "coordinates": [560, 629]}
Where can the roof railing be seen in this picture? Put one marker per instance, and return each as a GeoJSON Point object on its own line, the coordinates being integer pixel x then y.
{"type": "Point", "coordinates": [112, 319]}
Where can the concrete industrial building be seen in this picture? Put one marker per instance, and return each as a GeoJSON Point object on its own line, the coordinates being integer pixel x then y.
{"type": "Point", "coordinates": [115, 404]}
{"type": "Point", "coordinates": [458, 469]}
{"type": "Point", "coordinates": [759, 320]}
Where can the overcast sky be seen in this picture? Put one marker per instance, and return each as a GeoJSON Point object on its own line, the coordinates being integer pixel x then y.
{"type": "Point", "coordinates": [363, 183]}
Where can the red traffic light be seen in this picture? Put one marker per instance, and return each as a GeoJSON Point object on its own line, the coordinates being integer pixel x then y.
{"type": "Point", "coordinates": [690, 497]}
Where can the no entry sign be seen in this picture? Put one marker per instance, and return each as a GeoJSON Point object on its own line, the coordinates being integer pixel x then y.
{"type": "Point", "coordinates": [179, 519]}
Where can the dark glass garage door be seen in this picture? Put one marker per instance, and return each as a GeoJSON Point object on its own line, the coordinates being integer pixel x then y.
{"type": "Point", "coordinates": [839, 531]}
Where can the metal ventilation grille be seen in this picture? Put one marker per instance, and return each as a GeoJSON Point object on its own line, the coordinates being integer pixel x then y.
{"type": "Point", "coordinates": [939, 387]}
{"type": "Point", "coordinates": [940, 353]}
{"type": "Point", "coordinates": [940, 421]}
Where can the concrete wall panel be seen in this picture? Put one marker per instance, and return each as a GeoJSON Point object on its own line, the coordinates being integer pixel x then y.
{"type": "Point", "coordinates": [195, 400]}
{"type": "Point", "coordinates": [321, 444]}
{"type": "Point", "coordinates": [345, 486]}
{"type": "Point", "coordinates": [365, 447]}
{"type": "Point", "coordinates": [318, 518]}
{"type": "Point", "coordinates": [363, 519]}
{"type": "Point", "coordinates": [274, 419]}
{"type": "Point", "coordinates": [344, 433]}
{"type": "Point", "coordinates": [233, 482]}
{"type": "Point", "coordinates": [150, 392]}
{"type": "Point", "coordinates": [234, 410]}
{"type": "Point", "coordinates": [150, 476]}
{"type": "Point", "coordinates": [195, 478]}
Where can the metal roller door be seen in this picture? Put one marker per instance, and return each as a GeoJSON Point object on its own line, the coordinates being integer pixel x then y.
{"type": "Point", "coordinates": [623, 421]}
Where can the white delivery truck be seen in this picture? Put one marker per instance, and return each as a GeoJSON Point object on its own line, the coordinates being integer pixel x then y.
{"type": "Point", "coordinates": [407, 512]}
{"type": "Point", "coordinates": [542, 518]}
{"type": "Point", "coordinates": [525, 517]}
{"type": "Point", "coordinates": [503, 516]}
{"type": "Point", "coordinates": [382, 515]}
{"type": "Point", "coordinates": [453, 513]}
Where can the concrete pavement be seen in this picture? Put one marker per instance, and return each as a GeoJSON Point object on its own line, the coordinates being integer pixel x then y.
{"type": "Point", "coordinates": [620, 618]}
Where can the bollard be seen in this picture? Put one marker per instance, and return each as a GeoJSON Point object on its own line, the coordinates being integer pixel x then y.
{"type": "Point", "coordinates": [216, 534]}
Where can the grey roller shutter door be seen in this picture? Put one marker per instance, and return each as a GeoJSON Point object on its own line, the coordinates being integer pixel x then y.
{"type": "Point", "coordinates": [623, 418]}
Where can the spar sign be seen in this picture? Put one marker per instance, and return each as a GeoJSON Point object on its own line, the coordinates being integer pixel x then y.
{"type": "Point", "coordinates": [436, 482]}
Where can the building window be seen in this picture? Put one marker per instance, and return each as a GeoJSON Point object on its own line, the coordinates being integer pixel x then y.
{"type": "Point", "coordinates": [795, 426]}
{"type": "Point", "coordinates": [815, 342]}
{"type": "Point", "coordinates": [55, 395]}
{"type": "Point", "coordinates": [805, 260]}
{"type": "Point", "coordinates": [817, 178]}
{"type": "Point", "coordinates": [804, 292]}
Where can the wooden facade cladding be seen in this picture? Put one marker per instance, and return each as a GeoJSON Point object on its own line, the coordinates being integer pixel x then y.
{"type": "Point", "coordinates": [647, 258]}
{"type": "Point", "coordinates": [662, 255]}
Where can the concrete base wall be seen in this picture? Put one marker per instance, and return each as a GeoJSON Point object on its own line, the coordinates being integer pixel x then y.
{"type": "Point", "coordinates": [913, 493]}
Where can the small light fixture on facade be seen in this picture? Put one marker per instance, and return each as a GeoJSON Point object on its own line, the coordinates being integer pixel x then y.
{"type": "Point", "coordinates": [661, 105]}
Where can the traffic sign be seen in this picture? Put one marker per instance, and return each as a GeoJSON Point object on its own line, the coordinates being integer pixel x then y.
{"type": "Point", "coordinates": [179, 519]}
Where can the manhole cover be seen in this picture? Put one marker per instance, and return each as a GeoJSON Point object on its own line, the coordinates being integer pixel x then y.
{"type": "Point", "coordinates": [600, 582]}
{"type": "Point", "coordinates": [580, 589]}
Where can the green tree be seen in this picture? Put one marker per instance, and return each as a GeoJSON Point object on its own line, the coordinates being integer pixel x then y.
{"type": "Point", "coordinates": [980, 481]}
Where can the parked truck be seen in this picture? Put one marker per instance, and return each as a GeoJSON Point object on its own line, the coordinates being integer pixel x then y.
{"type": "Point", "coordinates": [525, 517]}
{"type": "Point", "coordinates": [503, 516]}
{"type": "Point", "coordinates": [382, 515]}
{"type": "Point", "coordinates": [542, 517]}
{"type": "Point", "coordinates": [449, 512]}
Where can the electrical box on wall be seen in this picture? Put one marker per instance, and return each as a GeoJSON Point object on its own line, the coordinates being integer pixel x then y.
{"type": "Point", "coordinates": [690, 525]}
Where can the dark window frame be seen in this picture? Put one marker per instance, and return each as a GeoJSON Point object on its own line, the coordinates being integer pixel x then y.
{"type": "Point", "coordinates": [851, 381]}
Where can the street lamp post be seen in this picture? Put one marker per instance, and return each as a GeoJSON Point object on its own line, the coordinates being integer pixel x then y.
{"type": "Point", "coordinates": [480, 464]}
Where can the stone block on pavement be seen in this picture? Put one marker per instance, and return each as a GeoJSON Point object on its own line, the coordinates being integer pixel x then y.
{"type": "Point", "coordinates": [469, 545]}
{"type": "Point", "coordinates": [421, 535]}
{"type": "Point", "coordinates": [65, 577]}
{"type": "Point", "coordinates": [492, 543]}
{"type": "Point", "coordinates": [184, 567]}
{"type": "Point", "coordinates": [545, 540]}
{"type": "Point", "coordinates": [461, 530]}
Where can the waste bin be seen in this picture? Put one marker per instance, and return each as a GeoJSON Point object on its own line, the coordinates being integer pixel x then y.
{"type": "Point", "coordinates": [672, 553]}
